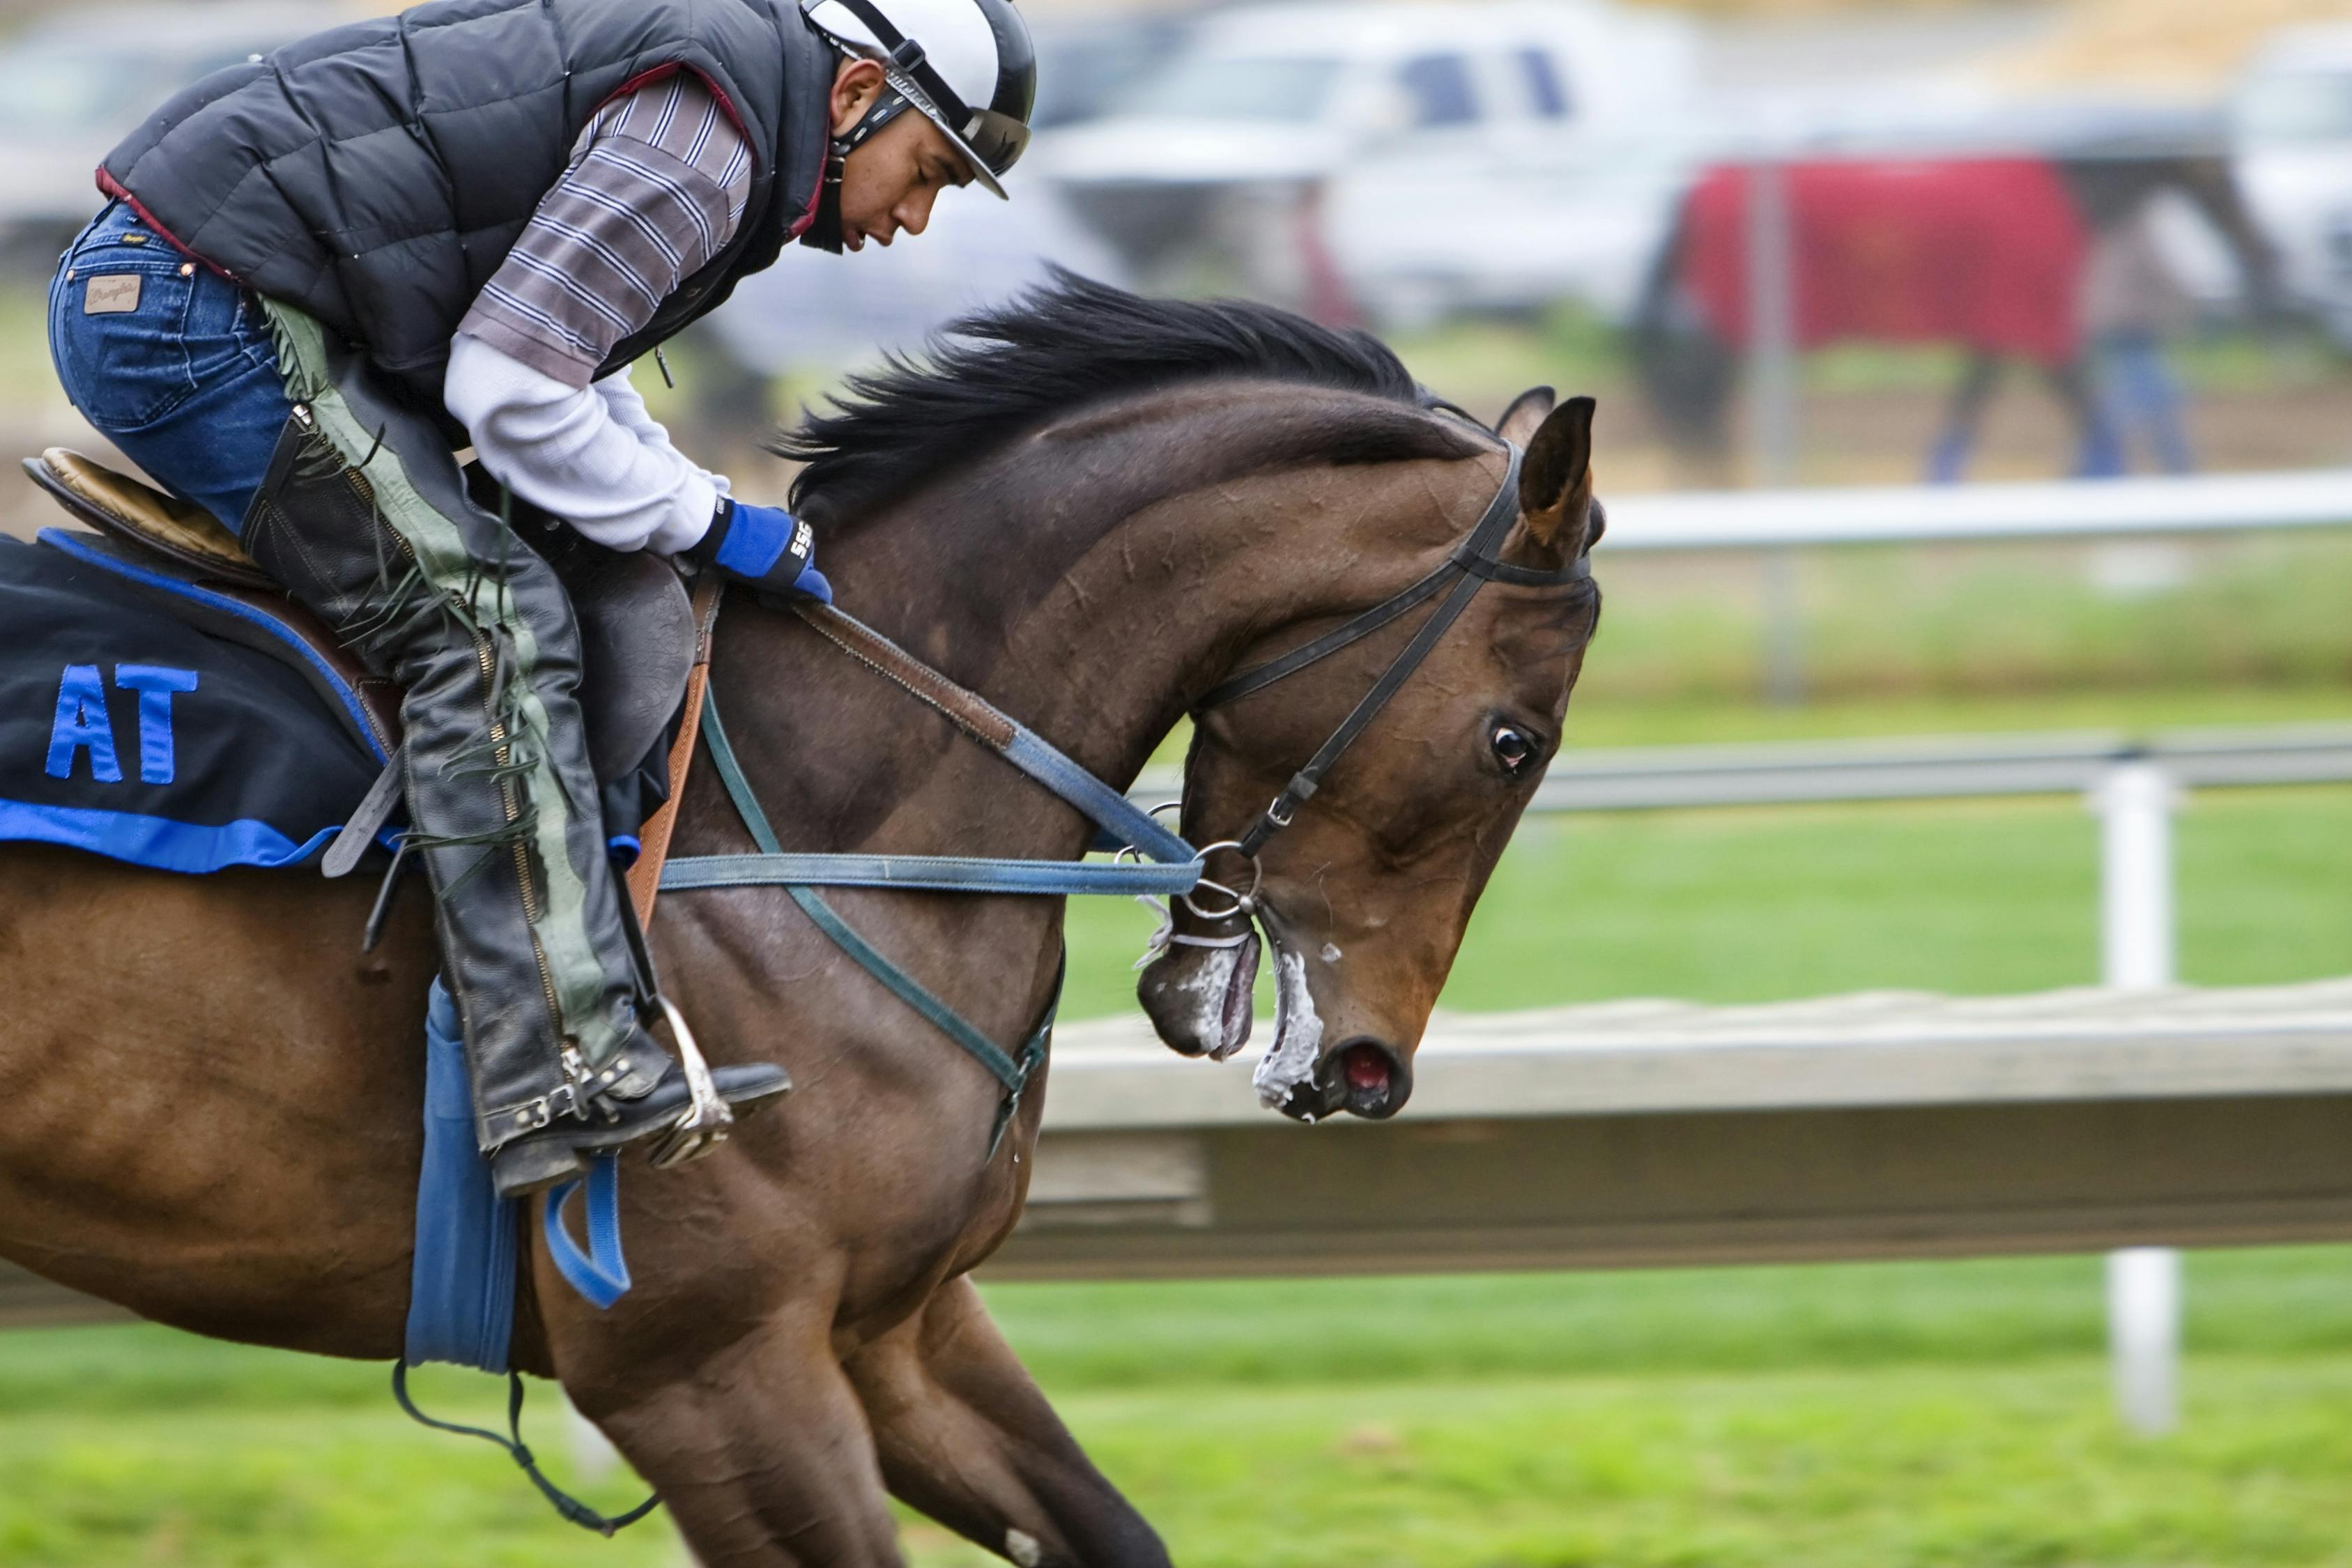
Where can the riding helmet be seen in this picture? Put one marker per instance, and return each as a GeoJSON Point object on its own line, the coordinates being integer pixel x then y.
{"type": "Point", "coordinates": [967, 66]}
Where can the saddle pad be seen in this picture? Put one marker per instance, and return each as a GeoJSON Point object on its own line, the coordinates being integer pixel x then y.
{"type": "Point", "coordinates": [127, 733]}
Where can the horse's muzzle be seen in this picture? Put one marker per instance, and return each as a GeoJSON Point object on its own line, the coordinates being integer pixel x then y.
{"type": "Point", "coordinates": [1364, 1078]}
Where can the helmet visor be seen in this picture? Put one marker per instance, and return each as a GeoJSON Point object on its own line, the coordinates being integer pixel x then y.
{"type": "Point", "coordinates": [998, 139]}
{"type": "Point", "coordinates": [989, 142]}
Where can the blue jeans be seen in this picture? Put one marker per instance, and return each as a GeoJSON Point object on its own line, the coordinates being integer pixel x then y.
{"type": "Point", "coordinates": [185, 379]}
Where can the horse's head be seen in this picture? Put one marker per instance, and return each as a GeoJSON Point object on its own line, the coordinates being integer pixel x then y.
{"type": "Point", "coordinates": [1366, 894]}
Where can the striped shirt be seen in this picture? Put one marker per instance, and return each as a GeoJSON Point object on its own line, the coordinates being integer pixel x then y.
{"type": "Point", "coordinates": [656, 190]}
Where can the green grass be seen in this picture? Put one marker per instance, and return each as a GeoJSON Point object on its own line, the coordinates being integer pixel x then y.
{"type": "Point", "coordinates": [1876, 1415]}
{"type": "Point", "coordinates": [1821, 1469]}
{"type": "Point", "coordinates": [1984, 621]}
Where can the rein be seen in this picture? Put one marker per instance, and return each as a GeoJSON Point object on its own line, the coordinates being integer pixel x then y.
{"type": "Point", "coordinates": [1152, 859]}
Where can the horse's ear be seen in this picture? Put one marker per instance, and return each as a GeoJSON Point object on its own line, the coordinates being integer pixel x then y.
{"type": "Point", "coordinates": [1518, 425]}
{"type": "Point", "coordinates": [1556, 480]}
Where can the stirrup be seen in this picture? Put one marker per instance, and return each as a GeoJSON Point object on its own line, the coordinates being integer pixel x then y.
{"type": "Point", "coordinates": [703, 1125]}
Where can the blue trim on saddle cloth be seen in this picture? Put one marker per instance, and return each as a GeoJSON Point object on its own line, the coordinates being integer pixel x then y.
{"type": "Point", "coordinates": [461, 1287]}
{"type": "Point", "coordinates": [164, 582]}
{"type": "Point", "coordinates": [157, 842]}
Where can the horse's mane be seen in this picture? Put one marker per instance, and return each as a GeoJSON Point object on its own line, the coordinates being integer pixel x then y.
{"type": "Point", "coordinates": [1072, 344]}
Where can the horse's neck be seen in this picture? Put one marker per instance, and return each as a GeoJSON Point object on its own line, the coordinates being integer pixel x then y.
{"type": "Point", "coordinates": [1097, 635]}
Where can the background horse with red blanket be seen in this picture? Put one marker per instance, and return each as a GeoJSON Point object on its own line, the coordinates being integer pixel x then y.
{"type": "Point", "coordinates": [1987, 254]}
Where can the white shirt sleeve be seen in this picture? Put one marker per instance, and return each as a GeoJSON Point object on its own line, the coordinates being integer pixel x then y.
{"type": "Point", "coordinates": [591, 455]}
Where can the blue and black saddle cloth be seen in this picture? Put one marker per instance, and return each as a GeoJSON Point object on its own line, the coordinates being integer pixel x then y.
{"type": "Point", "coordinates": [128, 731]}
{"type": "Point", "coordinates": [164, 714]}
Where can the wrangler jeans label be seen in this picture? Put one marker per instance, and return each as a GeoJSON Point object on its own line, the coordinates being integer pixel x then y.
{"type": "Point", "coordinates": [115, 296]}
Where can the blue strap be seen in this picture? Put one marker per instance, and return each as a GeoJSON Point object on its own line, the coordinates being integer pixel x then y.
{"type": "Point", "coordinates": [1179, 870]}
{"type": "Point", "coordinates": [601, 1274]}
{"type": "Point", "coordinates": [1105, 808]}
{"type": "Point", "coordinates": [933, 873]}
{"type": "Point", "coordinates": [1127, 824]}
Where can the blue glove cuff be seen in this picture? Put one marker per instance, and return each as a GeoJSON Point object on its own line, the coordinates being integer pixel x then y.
{"type": "Point", "coordinates": [757, 538]}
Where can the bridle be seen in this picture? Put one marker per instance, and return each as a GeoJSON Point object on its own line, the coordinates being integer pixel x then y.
{"type": "Point", "coordinates": [1469, 568]}
{"type": "Point", "coordinates": [1150, 860]}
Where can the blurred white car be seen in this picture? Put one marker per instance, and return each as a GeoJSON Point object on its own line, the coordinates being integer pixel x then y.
{"type": "Point", "coordinates": [79, 82]}
{"type": "Point", "coordinates": [2292, 133]}
{"type": "Point", "coordinates": [1418, 235]}
{"type": "Point", "coordinates": [1401, 110]}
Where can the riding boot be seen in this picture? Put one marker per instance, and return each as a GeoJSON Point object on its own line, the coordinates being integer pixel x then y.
{"type": "Point", "coordinates": [364, 518]}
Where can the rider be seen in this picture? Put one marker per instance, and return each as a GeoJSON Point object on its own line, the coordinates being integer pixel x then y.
{"type": "Point", "coordinates": [320, 272]}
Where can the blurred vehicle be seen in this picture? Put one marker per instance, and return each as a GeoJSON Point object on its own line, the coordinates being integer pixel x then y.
{"type": "Point", "coordinates": [1527, 225]}
{"type": "Point", "coordinates": [1281, 99]}
{"type": "Point", "coordinates": [2292, 123]}
{"type": "Point", "coordinates": [1084, 66]}
{"type": "Point", "coordinates": [79, 83]}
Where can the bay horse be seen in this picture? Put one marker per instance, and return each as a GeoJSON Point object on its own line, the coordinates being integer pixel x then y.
{"type": "Point", "coordinates": [1091, 509]}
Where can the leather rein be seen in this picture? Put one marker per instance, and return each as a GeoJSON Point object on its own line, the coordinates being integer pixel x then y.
{"type": "Point", "coordinates": [1150, 860]}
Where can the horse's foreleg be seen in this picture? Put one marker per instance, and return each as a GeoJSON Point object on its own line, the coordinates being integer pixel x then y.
{"type": "Point", "coordinates": [761, 1452]}
{"type": "Point", "coordinates": [966, 1436]}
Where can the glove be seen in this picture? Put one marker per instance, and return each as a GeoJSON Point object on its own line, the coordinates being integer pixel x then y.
{"type": "Point", "coordinates": [765, 547]}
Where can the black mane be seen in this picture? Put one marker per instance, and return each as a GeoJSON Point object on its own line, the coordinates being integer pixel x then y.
{"type": "Point", "coordinates": [1070, 343]}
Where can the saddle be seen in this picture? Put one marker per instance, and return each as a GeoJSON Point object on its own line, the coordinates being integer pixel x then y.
{"type": "Point", "coordinates": [637, 631]}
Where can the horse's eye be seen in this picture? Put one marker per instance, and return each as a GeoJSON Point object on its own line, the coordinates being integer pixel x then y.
{"type": "Point", "coordinates": [1513, 748]}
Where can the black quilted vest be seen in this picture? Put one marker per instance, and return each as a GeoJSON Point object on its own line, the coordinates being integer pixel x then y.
{"type": "Point", "coordinates": [375, 175]}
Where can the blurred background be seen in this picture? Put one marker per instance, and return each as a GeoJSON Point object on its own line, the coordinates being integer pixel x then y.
{"type": "Point", "coordinates": [1976, 422]}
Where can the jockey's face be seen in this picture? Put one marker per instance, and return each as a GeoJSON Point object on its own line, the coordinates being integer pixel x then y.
{"type": "Point", "coordinates": [889, 182]}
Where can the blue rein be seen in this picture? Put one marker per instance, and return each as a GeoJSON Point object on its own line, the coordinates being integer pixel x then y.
{"type": "Point", "coordinates": [1171, 866]}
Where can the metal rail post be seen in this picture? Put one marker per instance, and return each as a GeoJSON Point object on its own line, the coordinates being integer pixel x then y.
{"type": "Point", "coordinates": [1772, 405]}
{"type": "Point", "coordinates": [2136, 801]}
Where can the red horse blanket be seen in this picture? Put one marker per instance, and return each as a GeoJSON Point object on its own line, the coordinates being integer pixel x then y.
{"type": "Point", "coordinates": [1987, 253]}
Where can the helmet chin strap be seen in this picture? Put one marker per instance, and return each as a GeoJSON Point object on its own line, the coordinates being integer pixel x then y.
{"type": "Point", "coordinates": [824, 231]}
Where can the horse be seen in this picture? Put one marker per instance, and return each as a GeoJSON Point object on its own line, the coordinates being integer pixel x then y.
{"type": "Point", "coordinates": [1988, 253]}
{"type": "Point", "coordinates": [1091, 509]}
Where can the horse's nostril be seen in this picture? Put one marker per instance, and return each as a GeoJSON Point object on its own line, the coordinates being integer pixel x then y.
{"type": "Point", "coordinates": [1368, 1078]}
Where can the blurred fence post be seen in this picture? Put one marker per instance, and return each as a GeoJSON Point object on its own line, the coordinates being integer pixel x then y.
{"type": "Point", "coordinates": [2136, 801]}
{"type": "Point", "coordinates": [1772, 404]}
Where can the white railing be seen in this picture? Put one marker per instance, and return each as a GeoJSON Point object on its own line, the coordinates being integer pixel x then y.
{"type": "Point", "coordinates": [1927, 514]}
